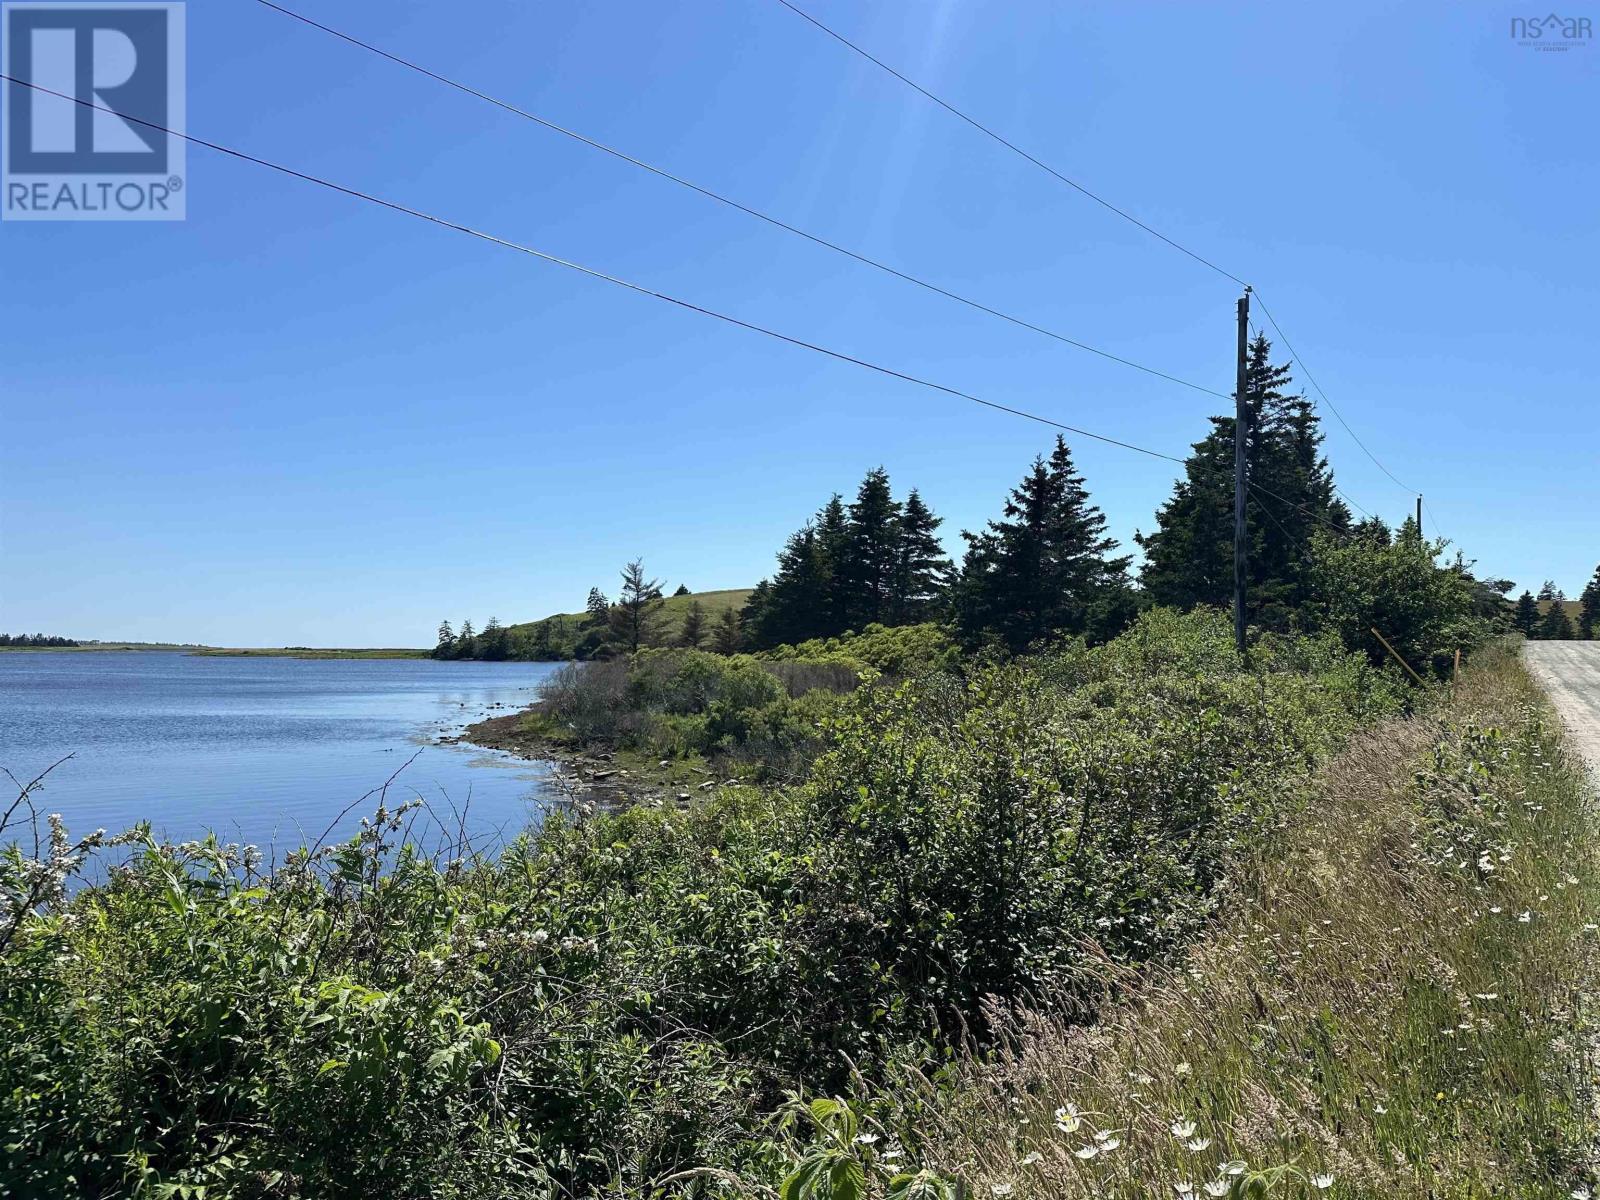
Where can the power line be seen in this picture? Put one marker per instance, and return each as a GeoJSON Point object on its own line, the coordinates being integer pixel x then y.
{"type": "Point", "coordinates": [1098, 199]}
{"type": "Point", "coordinates": [593, 273]}
{"type": "Point", "coordinates": [1305, 370]}
{"type": "Point", "coordinates": [1010, 145]}
{"type": "Point", "coordinates": [1312, 513]}
{"type": "Point", "coordinates": [710, 194]}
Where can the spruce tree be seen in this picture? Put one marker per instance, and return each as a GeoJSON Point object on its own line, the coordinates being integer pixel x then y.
{"type": "Point", "coordinates": [1189, 555]}
{"type": "Point", "coordinates": [728, 638]}
{"type": "Point", "coordinates": [1373, 531]}
{"type": "Point", "coordinates": [1589, 613]}
{"type": "Point", "coordinates": [1556, 625]}
{"type": "Point", "coordinates": [495, 642]}
{"type": "Point", "coordinates": [1526, 617]}
{"type": "Point", "coordinates": [693, 632]}
{"type": "Point", "coordinates": [1045, 567]}
{"type": "Point", "coordinates": [636, 616]}
{"type": "Point", "coordinates": [466, 644]}
{"type": "Point", "coordinates": [922, 569]}
{"type": "Point", "coordinates": [597, 609]}
{"type": "Point", "coordinates": [870, 552]}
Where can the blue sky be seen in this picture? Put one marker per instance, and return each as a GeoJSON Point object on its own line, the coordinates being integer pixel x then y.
{"type": "Point", "coordinates": [297, 419]}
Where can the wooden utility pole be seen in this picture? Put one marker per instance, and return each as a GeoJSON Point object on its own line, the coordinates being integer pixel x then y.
{"type": "Point", "coordinates": [1419, 518]}
{"type": "Point", "coordinates": [1241, 436]}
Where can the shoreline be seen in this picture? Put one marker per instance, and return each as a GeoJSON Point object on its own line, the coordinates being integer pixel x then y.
{"type": "Point", "coordinates": [611, 779]}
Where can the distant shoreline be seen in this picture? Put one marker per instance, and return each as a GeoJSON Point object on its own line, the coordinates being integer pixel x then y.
{"type": "Point", "coordinates": [308, 652]}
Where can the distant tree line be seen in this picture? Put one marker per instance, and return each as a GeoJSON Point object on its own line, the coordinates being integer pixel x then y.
{"type": "Point", "coordinates": [1545, 617]}
{"type": "Point", "coordinates": [635, 620]}
{"type": "Point", "coordinates": [1046, 566]}
{"type": "Point", "coordinates": [34, 639]}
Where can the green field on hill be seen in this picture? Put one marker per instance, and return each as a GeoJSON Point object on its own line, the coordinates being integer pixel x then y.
{"type": "Point", "coordinates": [673, 610]}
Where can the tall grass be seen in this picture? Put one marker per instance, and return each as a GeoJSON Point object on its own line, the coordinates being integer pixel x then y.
{"type": "Point", "coordinates": [1398, 1001]}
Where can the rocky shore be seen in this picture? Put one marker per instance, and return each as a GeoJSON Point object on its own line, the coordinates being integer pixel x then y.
{"type": "Point", "coordinates": [597, 776]}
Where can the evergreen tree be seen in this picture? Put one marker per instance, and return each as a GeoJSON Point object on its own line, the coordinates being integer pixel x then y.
{"type": "Point", "coordinates": [1556, 625]}
{"type": "Point", "coordinates": [466, 644]}
{"type": "Point", "coordinates": [1189, 556]}
{"type": "Point", "coordinates": [494, 644]}
{"type": "Point", "coordinates": [693, 632]}
{"type": "Point", "coordinates": [1549, 591]}
{"type": "Point", "coordinates": [597, 609]}
{"type": "Point", "coordinates": [636, 617]}
{"type": "Point", "coordinates": [1526, 618]}
{"type": "Point", "coordinates": [728, 638]}
{"type": "Point", "coordinates": [1372, 531]}
{"type": "Point", "coordinates": [445, 647]}
{"type": "Point", "coordinates": [805, 598]}
{"type": "Point", "coordinates": [1590, 610]}
{"type": "Point", "coordinates": [1046, 567]}
{"type": "Point", "coordinates": [922, 569]}
{"type": "Point", "coordinates": [789, 607]}
{"type": "Point", "coordinates": [683, 590]}
{"type": "Point", "coordinates": [871, 543]}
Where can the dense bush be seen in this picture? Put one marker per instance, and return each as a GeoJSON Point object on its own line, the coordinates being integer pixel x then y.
{"type": "Point", "coordinates": [1426, 611]}
{"type": "Point", "coordinates": [681, 702]}
{"type": "Point", "coordinates": [619, 1000]}
{"type": "Point", "coordinates": [902, 650]}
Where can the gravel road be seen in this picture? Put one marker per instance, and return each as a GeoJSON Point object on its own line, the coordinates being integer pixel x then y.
{"type": "Point", "coordinates": [1570, 672]}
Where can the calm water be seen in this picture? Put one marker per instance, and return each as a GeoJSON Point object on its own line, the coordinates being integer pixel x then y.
{"type": "Point", "coordinates": [263, 750]}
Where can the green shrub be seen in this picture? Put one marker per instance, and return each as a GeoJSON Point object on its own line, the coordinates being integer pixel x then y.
{"type": "Point", "coordinates": [901, 650]}
{"type": "Point", "coordinates": [618, 1000]}
{"type": "Point", "coordinates": [1426, 611]}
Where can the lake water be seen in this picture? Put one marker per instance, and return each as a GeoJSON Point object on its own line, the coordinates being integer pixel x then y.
{"type": "Point", "coordinates": [262, 750]}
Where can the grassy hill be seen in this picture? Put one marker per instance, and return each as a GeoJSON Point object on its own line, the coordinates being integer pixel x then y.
{"type": "Point", "coordinates": [1573, 607]}
{"type": "Point", "coordinates": [565, 626]}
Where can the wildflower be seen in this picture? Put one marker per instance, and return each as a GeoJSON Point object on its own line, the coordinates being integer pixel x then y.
{"type": "Point", "coordinates": [1486, 995]}
{"type": "Point", "coordinates": [1028, 1160]}
{"type": "Point", "coordinates": [1198, 1144]}
{"type": "Point", "coordinates": [1379, 1109]}
{"type": "Point", "coordinates": [1233, 1167]}
{"type": "Point", "coordinates": [1216, 1188]}
{"type": "Point", "coordinates": [1087, 1152]}
{"type": "Point", "coordinates": [866, 1139]}
{"type": "Point", "coordinates": [1108, 1143]}
{"type": "Point", "coordinates": [891, 1155]}
{"type": "Point", "coordinates": [1181, 1069]}
{"type": "Point", "coordinates": [1184, 1188]}
{"type": "Point", "coordinates": [1182, 1129]}
{"type": "Point", "coordinates": [1525, 917]}
{"type": "Point", "coordinates": [1001, 1189]}
{"type": "Point", "coordinates": [1495, 908]}
{"type": "Point", "coordinates": [1322, 1182]}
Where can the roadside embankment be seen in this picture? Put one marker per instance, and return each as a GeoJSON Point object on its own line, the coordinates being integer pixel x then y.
{"type": "Point", "coordinates": [1397, 1000]}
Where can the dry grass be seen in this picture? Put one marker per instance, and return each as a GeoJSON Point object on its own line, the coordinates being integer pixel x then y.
{"type": "Point", "coordinates": [1397, 999]}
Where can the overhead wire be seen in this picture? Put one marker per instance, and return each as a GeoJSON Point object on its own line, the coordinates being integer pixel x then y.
{"type": "Point", "coordinates": [748, 210]}
{"type": "Point", "coordinates": [991, 133]}
{"type": "Point", "coordinates": [594, 273]}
